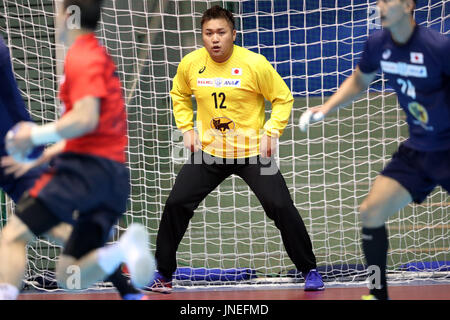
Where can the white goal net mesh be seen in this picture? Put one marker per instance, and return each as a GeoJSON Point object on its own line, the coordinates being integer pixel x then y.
{"type": "Point", "coordinates": [314, 45]}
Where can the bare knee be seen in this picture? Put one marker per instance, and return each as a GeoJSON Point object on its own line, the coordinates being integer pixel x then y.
{"type": "Point", "coordinates": [371, 215]}
{"type": "Point", "coordinates": [15, 232]}
{"type": "Point", "coordinates": [60, 233]}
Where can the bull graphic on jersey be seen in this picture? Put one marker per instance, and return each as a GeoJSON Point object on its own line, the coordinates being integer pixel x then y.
{"type": "Point", "coordinates": [222, 124]}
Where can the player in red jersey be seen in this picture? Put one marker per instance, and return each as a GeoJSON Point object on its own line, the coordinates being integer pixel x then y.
{"type": "Point", "coordinates": [89, 177]}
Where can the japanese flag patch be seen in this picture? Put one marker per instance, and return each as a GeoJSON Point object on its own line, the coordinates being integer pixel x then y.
{"type": "Point", "coordinates": [417, 57]}
{"type": "Point", "coordinates": [236, 72]}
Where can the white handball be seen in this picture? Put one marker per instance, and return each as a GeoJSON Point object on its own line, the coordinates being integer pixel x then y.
{"type": "Point", "coordinates": [21, 157]}
{"type": "Point", "coordinates": [309, 117]}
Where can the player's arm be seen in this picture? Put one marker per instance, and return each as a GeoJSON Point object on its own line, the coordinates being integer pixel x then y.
{"type": "Point", "coordinates": [348, 91]}
{"type": "Point", "coordinates": [82, 119]}
{"type": "Point", "coordinates": [275, 90]}
{"type": "Point", "coordinates": [183, 111]}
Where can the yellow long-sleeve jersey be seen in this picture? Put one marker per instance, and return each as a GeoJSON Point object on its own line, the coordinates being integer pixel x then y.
{"type": "Point", "coordinates": [230, 101]}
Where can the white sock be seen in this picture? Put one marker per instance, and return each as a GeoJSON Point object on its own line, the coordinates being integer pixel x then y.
{"type": "Point", "coordinates": [8, 292]}
{"type": "Point", "coordinates": [110, 257]}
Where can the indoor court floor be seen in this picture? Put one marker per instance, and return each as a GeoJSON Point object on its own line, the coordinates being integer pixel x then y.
{"type": "Point", "coordinates": [397, 292]}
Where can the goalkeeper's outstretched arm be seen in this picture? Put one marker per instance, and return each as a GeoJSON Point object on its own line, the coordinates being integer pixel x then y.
{"type": "Point", "coordinates": [349, 90]}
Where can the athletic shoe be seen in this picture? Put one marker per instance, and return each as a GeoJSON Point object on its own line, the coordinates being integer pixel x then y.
{"type": "Point", "coordinates": [8, 292]}
{"type": "Point", "coordinates": [368, 297]}
{"type": "Point", "coordinates": [161, 284]}
{"type": "Point", "coordinates": [139, 260]}
{"type": "Point", "coordinates": [136, 296]}
{"type": "Point", "coordinates": [313, 281]}
{"type": "Point", "coordinates": [375, 296]}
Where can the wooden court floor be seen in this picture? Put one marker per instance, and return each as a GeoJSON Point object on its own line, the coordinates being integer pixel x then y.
{"type": "Point", "coordinates": [407, 292]}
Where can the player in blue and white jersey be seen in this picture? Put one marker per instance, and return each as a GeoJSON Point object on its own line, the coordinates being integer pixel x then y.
{"type": "Point", "coordinates": [416, 62]}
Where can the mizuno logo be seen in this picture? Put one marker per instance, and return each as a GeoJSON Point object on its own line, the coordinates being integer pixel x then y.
{"type": "Point", "coordinates": [202, 69]}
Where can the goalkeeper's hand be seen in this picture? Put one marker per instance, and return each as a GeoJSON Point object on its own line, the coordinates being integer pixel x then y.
{"type": "Point", "coordinates": [191, 141]}
{"type": "Point", "coordinates": [311, 116]}
{"type": "Point", "coordinates": [268, 146]}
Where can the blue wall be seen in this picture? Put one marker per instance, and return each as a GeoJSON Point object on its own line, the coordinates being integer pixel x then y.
{"type": "Point", "coordinates": [315, 52]}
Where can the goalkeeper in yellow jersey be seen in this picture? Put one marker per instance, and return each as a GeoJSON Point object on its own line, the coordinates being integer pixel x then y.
{"type": "Point", "coordinates": [230, 84]}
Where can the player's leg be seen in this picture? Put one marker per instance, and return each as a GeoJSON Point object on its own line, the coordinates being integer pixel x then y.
{"type": "Point", "coordinates": [60, 235]}
{"type": "Point", "coordinates": [16, 187]}
{"type": "Point", "coordinates": [193, 183]}
{"type": "Point", "coordinates": [79, 255]}
{"type": "Point", "coordinates": [87, 254]}
{"type": "Point", "coordinates": [98, 188]}
{"type": "Point", "coordinates": [13, 239]}
{"type": "Point", "coordinates": [32, 219]}
{"type": "Point", "coordinates": [385, 199]}
{"type": "Point", "coordinates": [402, 181]}
{"type": "Point", "coordinates": [271, 190]}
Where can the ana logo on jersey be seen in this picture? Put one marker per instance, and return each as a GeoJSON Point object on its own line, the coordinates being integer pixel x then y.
{"type": "Point", "coordinates": [416, 57]}
{"type": "Point", "coordinates": [386, 54]}
{"type": "Point", "coordinates": [421, 115]}
{"type": "Point", "coordinates": [222, 124]}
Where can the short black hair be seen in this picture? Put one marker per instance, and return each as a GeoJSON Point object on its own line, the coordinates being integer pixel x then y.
{"type": "Point", "coordinates": [90, 11]}
{"type": "Point", "coordinates": [217, 12]}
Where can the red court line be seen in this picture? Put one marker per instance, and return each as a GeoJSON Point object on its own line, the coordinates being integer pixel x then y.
{"type": "Point", "coordinates": [426, 292]}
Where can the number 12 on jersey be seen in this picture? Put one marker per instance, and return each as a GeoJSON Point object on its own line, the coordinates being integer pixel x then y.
{"type": "Point", "coordinates": [221, 97]}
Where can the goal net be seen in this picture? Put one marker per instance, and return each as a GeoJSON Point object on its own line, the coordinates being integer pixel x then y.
{"type": "Point", "coordinates": [314, 45]}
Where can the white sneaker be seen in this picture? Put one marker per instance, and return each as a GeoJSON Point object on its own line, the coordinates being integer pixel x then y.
{"type": "Point", "coordinates": [139, 260]}
{"type": "Point", "coordinates": [8, 292]}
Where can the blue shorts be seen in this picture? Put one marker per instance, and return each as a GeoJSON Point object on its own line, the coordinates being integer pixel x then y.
{"type": "Point", "coordinates": [80, 189]}
{"type": "Point", "coordinates": [419, 172]}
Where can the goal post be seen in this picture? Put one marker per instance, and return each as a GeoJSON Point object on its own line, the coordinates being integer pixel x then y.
{"type": "Point", "coordinates": [314, 45]}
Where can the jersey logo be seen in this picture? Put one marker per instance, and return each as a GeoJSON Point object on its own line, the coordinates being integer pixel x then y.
{"type": "Point", "coordinates": [202, 69]}
{"type": "Point", "coordinates": [222, 124]}
{"type": "Point", "coordinates": [386, 54]}
{"type": "Point", "coordinates": [417, 57]}
{"type": "Point", "coordinates": [219, 83]}
{"type": "Point", "coordinates": [421, 115]}
{"type": "Point", "coordinates": [236, 72]}
{"type": "Point", "coordinates": [404, 69]}
{"type": "Point", "coordinates": [205, 82]}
